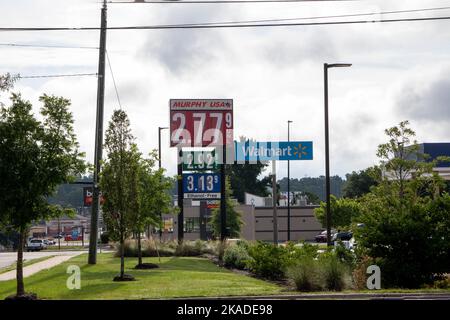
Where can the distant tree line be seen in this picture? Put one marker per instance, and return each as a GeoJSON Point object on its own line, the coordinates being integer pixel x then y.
{"type": "Point", "coordinates": [315, 185]}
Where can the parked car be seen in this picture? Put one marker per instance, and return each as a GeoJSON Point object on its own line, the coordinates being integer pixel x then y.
{"type": "Point", "coordinates": [36, 245]}
{"type": "Point", "coordinates": [59, 236]}
{"type": "Point", "coordinates": [322, 237]}
{"type": "Point", "coordinates": [343, 236]}
{"type": "Point", "coordinates": [49, 242]}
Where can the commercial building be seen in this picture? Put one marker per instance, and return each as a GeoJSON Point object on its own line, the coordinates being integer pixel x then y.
{"type": "Point", "coordinates": [258, 222]}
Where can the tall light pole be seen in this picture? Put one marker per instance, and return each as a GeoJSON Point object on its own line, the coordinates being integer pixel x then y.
{"type": "Point", "coordinates": [159, 145]}
{"type": "Point", "coordinates": [289, 190]}
{"type": "Point", "coordinates": [159, 166]}
{"type": "Point", "coordinates": [93, 237]}
{"type": "Point", "coordinates": [326, 66]}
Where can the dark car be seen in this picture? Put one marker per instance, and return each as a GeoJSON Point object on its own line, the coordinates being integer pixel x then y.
{"type": "Point", "coordinates": [343, 236]}
{"type": "Point", "coordinates": [322, 237]}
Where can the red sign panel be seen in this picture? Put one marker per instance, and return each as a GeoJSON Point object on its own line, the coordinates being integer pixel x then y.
{"type": "Point", "coordinates": [87, 196]}
{"type": "Point", "coordinates": [201, 122]}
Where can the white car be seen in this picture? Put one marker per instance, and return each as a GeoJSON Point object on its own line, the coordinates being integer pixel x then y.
{"type": "Point", "coordinates": [36, 245]}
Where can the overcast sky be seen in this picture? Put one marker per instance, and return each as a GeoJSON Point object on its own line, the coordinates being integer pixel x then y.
{"type": "Point", "coordinates": [400, 71]}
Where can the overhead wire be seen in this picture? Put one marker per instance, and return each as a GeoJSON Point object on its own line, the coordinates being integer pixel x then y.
{"type": "Point", "coordinates": [57, 75]}
{"type": "Point", "coordinates": [216, 26]}
{"type": "Point", "coordinates": [114, 80]}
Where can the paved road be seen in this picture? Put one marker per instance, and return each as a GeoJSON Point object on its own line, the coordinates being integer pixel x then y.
{"type": "Point", "coordinates": [8, 258]}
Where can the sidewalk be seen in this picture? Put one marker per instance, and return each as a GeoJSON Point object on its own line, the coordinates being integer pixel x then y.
{"type": "Point", "coordinates": [39, 266]}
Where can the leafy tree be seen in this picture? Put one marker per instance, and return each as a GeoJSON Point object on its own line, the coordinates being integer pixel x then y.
{"type": "Point", "coordinates": [234, 221]}
{"type": "Point", "coordinates": [359, 183]}
{"type": "Point", "coordinates": [154, 198]}
{"type": "Point", "coordinates": [406, 219]}
{"type": "Point", "coordinates": [35, 157]}
{"type": "Point", "coordinates": [343, 212]}
{"type": "Point", "coordinates": [244, 177]}
{"type": "Point", "coordinates": [119, 182]}
{"type": "Point", "coordinates": [7, 81]}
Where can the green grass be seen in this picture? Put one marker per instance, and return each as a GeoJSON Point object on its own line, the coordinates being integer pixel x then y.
{"type": "Point", "coordinates": [26, 262]}
{"type": "Point", "coordinates": [176, 277]}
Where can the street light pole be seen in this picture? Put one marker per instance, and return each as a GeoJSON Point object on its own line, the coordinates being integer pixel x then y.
{"type": "Point", "coordinates": [159, 166]}
{"type": "Point", "coordinates": [93, 237]}
{"type": "Point", "coordinates": [289, 191]}
{"type": "Point", "coordinates": [326, 66]}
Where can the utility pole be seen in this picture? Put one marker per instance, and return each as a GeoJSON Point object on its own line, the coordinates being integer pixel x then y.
{"type": "Point", "coordinates": [93, 236]}
{"type": "Point", "coordinates": [289, 192]}
{"type": "Point", "coordinates": [180, 197]}
{"type": "Point", "coordinates": [326, 66]}
{"type": "Point", "coordinates": [223, 204]}
{"type": "Point", "coordinates": [274, 203]}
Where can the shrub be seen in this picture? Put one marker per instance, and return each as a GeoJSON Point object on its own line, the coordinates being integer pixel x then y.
{"type": "Point", "coordinates": [305, 275]}
{"type": "Point", "coordinates": [345, 255]}
{"type": "Point", "coordinates": [104, 238]}
{"type": "Point", "coordinates": [334, 272]}
{"type": "Point", "coordinates": [192, 248]}
{"type": "Point", "coordinates": [236, 256]}
{"type": "Point", "coordinates": [359, 274]}
{"type": "Point", "coordinates": [268, 261]}
{"type": "Point", "coordinates": [148, 249]}
{"type": "Point", "coordinates": [296, 252]}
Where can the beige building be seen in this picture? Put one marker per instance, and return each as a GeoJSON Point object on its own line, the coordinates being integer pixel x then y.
{"type": "Point", "coordinates": [258, 223]}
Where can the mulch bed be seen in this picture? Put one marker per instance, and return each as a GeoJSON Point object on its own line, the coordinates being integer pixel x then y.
{"type": "Point", "coordinates": [25, 297]}
{"type": "Point", "coordinates": [126, 277]}
{"type": "Point", "coordinates": [145, 266]}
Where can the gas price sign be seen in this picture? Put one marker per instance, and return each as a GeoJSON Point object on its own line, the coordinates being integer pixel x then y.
{"type": "Point", "coordinates": [201, 122]}
{"type": "Point", "coordinates": [199, 160]}
{"type": "Point", "coordinates": [201, 186]}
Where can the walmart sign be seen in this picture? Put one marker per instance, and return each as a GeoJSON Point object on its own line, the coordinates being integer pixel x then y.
{"type": "Point", "coordinates": [282, 150]}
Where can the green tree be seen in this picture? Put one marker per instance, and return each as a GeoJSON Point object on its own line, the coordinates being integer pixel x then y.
{"type": "Point", "coordinates": [234, 221]}
{"type": "Point", "coordinates": [343, 212]}
{"type": "Point", "coordinates": [244, 177]}
{"type": "Point", "coordinates": [406, 219]}
{"type": "Point", "coordinates": [35, 157]}
{"type": "Point", "coordinates": [7, 81]}
{"type": "Point", "coordinates": [119, 182]}
{"type": "Point", "coordinates": [154, 198]}
{"type": "Point", "coordinates": [359, 183]}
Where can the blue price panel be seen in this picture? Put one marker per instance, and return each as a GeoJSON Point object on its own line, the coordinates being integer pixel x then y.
{"type": "Point", "coordinates": [201, 183]}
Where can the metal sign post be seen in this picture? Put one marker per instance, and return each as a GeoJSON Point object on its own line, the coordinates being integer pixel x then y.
{"type": "Point", "coordinates": [274, 203]}
{"type": "Point", "coordinates": [202, 123]}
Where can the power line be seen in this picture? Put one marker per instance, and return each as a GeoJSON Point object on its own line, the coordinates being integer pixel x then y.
{"type": "Point", "coordinates": [224, 23]}
{"type": "Point", "coordinates": [203, 26]}
{"type": "Point", "coordinates": [44, 46]}
{"type": "Point", "coordinates": [219, 1]}
{"type": "Point", "coordinates": [57, 75]}
{"type": "Point", "coordinates": [319, 17]}
{"type": "Point", "coordinates": [114, 81]}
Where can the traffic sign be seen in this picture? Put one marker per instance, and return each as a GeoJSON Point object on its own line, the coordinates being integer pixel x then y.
{"type": "Point", "coordinates": [201, 122]}
{"type": "Point", "coordinates": [199, 160]}
{"type": "Point", "coordinates": [264, 151]}
{"type": "Point", "coordinates": [201, 185]}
